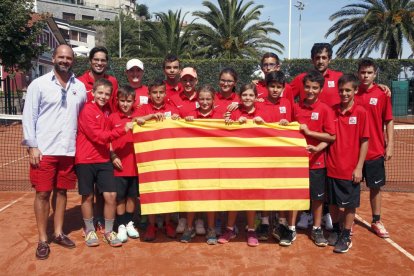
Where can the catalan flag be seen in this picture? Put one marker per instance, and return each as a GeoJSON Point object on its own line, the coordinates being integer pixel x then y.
{"type": "Point", "coordinates": [206, 165]}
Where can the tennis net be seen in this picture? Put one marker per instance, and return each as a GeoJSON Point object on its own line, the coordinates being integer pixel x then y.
{"type": "Point", "coordinates": [14, 162]}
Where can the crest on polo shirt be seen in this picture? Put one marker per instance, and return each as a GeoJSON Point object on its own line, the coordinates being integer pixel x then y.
{"type": "Point", "coordinates": [197, 105]}
{"type": "Point", "coordinates": [282, 109]}
{"type": "Point", "coordinates": [315, 116]}
{"type": "Point", "coordinates": [143, 99]}
{"type": "Point", "coordinates": [167, 114]}
{"type": "Point", "coordinates": [353, 120]}
{"type": "Point", "coordinates": [331, 84]}
{"type": "Point", "coordinates": [373, 101]}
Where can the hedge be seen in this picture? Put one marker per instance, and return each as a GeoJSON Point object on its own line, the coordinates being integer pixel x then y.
{"type": "Point", "coordinates": [208, 70]}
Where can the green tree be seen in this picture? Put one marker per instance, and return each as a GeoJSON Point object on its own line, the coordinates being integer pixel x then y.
{"type": "Point", "coordinates": [233, 30]}
{"type": "Point", "coordinates": [18, 35]}
{"type": "Point", "coordinates": [142, 11]}
{"type": "Point", "coordinates": [373, 25]}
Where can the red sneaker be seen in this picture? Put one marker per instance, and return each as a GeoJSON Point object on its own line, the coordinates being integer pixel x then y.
{"type": "Point", "coordinates": [170, 231]}
{"type": "Point", "coordinates": [150, 233]}
{"type": "Point", "coordinates": [379, 229]}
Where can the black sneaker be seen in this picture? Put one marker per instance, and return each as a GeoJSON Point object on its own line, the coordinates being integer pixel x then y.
{"type": "Point", "coordinates": [343, 244]}
{"type": "Point", "coordinates": [318, 238]}
{"type": "Point", "coordinates": [288, 237]}
{"type": "Point", "coordinates": [278, 231]}
{"type": "Point", "coordinates": [333, 238]}
{"type": "Point", "coordinates": [262, 232]}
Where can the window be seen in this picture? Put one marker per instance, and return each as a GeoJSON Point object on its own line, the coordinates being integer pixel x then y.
{"type": "Point", "coordinates": [74, 35]}
{"type": "Point", "coordinates": [68, 16]}
{"type": "Point", "coordinates": [87, 17]}
{"type": "Point", "coordinates": [83, 37]}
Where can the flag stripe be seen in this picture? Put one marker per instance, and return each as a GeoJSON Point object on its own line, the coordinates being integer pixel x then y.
{"type": "Point", "coordinates": [217, 184]}
{"type": "Point", "coordinates": [246, 194]}
{"type": "Point", "coordinates": [216, 173]}
{"type": "Point", "coordinates": [214, 152]}
{"type": "Point", "coordinates": [205, 163]}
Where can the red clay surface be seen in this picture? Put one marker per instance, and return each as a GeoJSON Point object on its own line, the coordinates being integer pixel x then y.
{"type": "Point", "coordinates": [369, 255]}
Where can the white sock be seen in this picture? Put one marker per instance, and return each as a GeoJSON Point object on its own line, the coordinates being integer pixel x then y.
{"type": "Point", "coordinates": [292, 228]}
{"type": "Point", "coordinates": [265, 220]}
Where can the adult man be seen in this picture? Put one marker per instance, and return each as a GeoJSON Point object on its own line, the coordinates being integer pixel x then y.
{"type": "Point", "coordinates": [50, 120]}
{"type": "Point", "coordinates": [98, 60]}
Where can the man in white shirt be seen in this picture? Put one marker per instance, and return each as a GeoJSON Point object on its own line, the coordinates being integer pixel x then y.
{"type": "Point", "coordinates": [50, 120]}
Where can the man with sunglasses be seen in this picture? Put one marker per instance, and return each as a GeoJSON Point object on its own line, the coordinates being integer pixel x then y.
{"type": "Point", "coordinates": [50, 120]}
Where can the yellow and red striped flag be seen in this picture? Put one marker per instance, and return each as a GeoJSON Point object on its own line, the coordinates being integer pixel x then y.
{"type": "Point", "coordinates": [206, 165]}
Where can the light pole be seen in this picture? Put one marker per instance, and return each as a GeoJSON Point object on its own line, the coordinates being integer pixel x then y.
{"type": "Point", "coordinates": [300, 6]}
{"type": "Point", "coordinates": [120, 30]}
{"type": "Point", "coordinates": [290, 27]}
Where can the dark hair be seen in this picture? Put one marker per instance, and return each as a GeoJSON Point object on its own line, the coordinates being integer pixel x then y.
{"type": "Point", "coordinates": [349, 78]}
{"type": "Point", "coordinates": [170, 58]}
{"type": "Point", "coordinates": [126, 91]}
{"type": "Point", "coordinates": [155, 83]}
{"type": "Point", "coordinates": [366, 62]}
{"type": "Point", "coordinates": [274, 76]}
{"type": "Point", "coordinates": [207, 88]}
{"type": "Point", "coordinates": [56, 49]}
{"type": "Point", "coordinates": [314, 76]}
{"type": "Point", "coordinates": [96, 50]}
{"type": "Point", "coordinates": [231, 71]}
{"type": "Point", "coordinates": [247, 87]}
{"type": "Point", "coordinates": [270, 55]}
{"type": "Point", "coordinates": [102, 82]}
{"type": "Point", "coordinates": [319, 47]}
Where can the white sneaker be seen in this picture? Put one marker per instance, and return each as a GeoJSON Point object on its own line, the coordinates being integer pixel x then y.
{"type": "Point", "coordinates": [327, 221]}
{"type": "Point", "coordinates": [122, 233]}
{"type": "Point", "coordinates": [305, 220]}
{"type": "Point", "coordinates": [182, 224]}
{"type": "Point", "coordinates": [199, 227]}
{"type": "Point", "coordinates": [131, 231]}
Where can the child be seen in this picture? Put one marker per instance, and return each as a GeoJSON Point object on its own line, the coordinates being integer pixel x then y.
{"type": "Point", "coordinates": [93, 164]}
{"type": "Point", "coordinates": [247, 110]}
{"type": "Point", "coordinates": [227, 99]}
{"type": "Point", "coordinates": [134, 73]}
{"type": "Point", "coordinates": [276, 109]}
{"type": "Point", "coordinates": [187, 99]}
{"type": "Point", "coordinates": [378, 105]}
{"type": "Point", "coordinates": [171, 68]}
{"type": "Point", "coordinates": [345, 161]}
{"type": "Point", "coordinates": [317, 124]}
{"type": "Point", "coordinates": [157, 109]}
{"type": "Point", "coordinates": [206, 110]}
{"type": "Point", "coordinates": [123, 159]}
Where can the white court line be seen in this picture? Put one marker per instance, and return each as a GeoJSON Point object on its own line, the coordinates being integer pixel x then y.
{"type": "Point", "coordinates": [390, 241]}
{"type": "Point", "coordinates": [14, 161]}
{"type": "Point", "coordinates": [13, 202]}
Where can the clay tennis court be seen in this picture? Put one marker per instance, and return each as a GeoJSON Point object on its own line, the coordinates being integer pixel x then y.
{"type": "Point", "coordinates": [370, 255]}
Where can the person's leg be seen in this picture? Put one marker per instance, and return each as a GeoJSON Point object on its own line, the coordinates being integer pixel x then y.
{"type": "Point", "coordinates": [344, 242]}
{"type": "Point", "coordinates": [317, 208]}
{"type": "Point", "coordinates": [229, 233]}
{"type": "Point", "coordinates": [61, 199]}
{"type": "Point", "coordinates": [375, 200]}
{"type": "Point", "coordinates": [251, 233]}
{"type": "Point", "coordinates": [109, 210]}
{"type": "Point", "coordinates": [87, 211]}
{"type": "Point", "coordinates": [41, 210]}
{"type": "Point", "coordinates": [189, 232]}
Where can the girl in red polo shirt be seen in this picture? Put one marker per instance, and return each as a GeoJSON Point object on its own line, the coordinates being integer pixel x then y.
{"type": "Point", "coordinates": [226, 98]}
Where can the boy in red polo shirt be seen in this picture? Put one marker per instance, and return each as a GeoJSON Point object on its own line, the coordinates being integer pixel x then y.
{"type": "Point", "coordinates": [172, 70]}
{"type": "Point", "coordinates": [378, 105]}
{"type": "Point", "coordinates": [93, 163]}
{"type": "Point", "coordinates": [125, 166]}
{"type": "Point", "coordinates": [316, 119]}
{"type": "Point", "coordinates": [134, 73]}
{"type": "Point", "coordinates": [158, 108]}
{"type": "Point", "coordinates": [187, 99]}
{"type": "Point", "coordinates": [345, 161]}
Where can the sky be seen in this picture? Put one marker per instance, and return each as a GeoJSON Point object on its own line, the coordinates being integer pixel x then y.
{"type": "Point", "coordinates": [315, 20]}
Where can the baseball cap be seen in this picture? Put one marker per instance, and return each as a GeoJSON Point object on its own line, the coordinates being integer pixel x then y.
{"type": "Point", "coordinates": [188, 71]}
{"type": "Point", "coordinates": [134, 62]}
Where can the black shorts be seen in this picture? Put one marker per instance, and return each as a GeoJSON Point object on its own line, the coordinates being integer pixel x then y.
{"type": "Point", "coordinates": [374, 173]}
{"type": "Point", "coordinates": [317, 184]}
{"type": "Point", "coordinates": [126, 186]}
{"type": "Point", "coordinates": [100, 173]}
{"type": "Point", "coordinates": [343, 193]}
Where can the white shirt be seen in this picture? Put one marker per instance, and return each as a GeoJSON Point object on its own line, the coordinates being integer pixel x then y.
{"type": "Point", "coordinates": [50, 115]}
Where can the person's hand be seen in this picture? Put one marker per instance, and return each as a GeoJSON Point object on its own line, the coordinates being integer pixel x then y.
{"type": "Point", "coordinates": [258, 120]}
{"type": "Point", "coordinates": [304, 128]}
{"type": "Point", "coordinates": [357, 175]}
{"type": "Point", "coordinates": [388, 153]}
{"type": "Point", "coordinates": [175, 116]}
{"type": "Point", "coordinates": [129, 126]}
{"type": "Point", "coordinates": [117, 163]}
{"type": "Point", "coordinates": [233, 106]}
{"type": "Point", "coordinates": [255, 82]}
{"type": "Point", "coordinates": [259, 100]}
{"type": "Point", "coordinates": [35, 156]}
{"type": "Point", "coordinates": [283, 122]}
{"type": "Point", "coordinates": [228, 121]}
{"type": "Point", "coordinates": [312, 149]}
{"type": "Point", "coordinates": [159, 116]}
{"type": "Point", "coordinates": [189, 118]}
{"type": "Point", "coordinates": [386, 89]}
{"type": "Point", "coordinates": [139, 121]}
{"type": "Point", "coordinates": [242, 120]}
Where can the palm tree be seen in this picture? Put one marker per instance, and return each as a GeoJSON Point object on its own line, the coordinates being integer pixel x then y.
{"type": "Point", "coordinates": [165, 36]}
{"type": "Point", "coordinates": [232, 30]}
{"type": "Point", "coordinates": [373, 25]}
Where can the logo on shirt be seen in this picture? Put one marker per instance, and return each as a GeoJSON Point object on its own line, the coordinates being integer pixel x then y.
{"type": "Point", "coordinates": [282, 109]}
{"type": "Point", "coordinates": [143, 99]}
{"type": "Point", "coordinates": [373, 101]}
{"type": "Point", "coordinates": [352, 120]}
{"type": "Point", "coordinates": [197, 105]}
{"type": "Point", "coordinates": [97, 116]}
{"type": "Point", "coordinates": [118, 125]}
{"type": "Point", "coordinates": [315, 116]}
{"type": "Point", "coordinates": [331, 84]}
{"type": "Point", "coordinates": [167, 114]}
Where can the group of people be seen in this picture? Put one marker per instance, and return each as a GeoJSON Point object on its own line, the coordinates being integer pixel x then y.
{"type": "Point", "coordinates": [81, 129]}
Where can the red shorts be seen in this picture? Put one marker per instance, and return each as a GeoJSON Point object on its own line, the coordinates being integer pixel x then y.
{"type": "Point", "coordinates": [54, 171]}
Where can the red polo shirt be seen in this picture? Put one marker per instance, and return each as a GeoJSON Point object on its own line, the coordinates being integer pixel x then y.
{"type": "Point", "coordinates": [378, 106]}
{"type": "Point", "coordinates": [241, 112]}
{"type": "Point", "coordinates": [94, 135]}
{"type": "Point", "coordinates": [181, 101]}
{"type": "Point", "coordinates": [274, 112]}
{"type": "Point", "coordinates": [262, 92]}
{"type": "Point", "coordinates": [123, 146]}
{"type": "Point", "coordinates": [330, 92]}
{"type": "Point", "coordinates": [168, 109]}
{"type": "Point", "coordinates": [221, 103]}
{"type": "Point", "coordinates": [141, 95]}
{"type": "Point", "coordinates": [197, 115]}
{"type": "Point", "coordinates": [318, 117]}
{"type": "Point", "coordinates": [343, 153]}
{"type": "Point", "coordinates": [88, 81]}
{"type": "Point", "coordinates": [171, 90]}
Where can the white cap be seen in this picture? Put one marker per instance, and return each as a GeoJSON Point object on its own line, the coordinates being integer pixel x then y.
{"type": "Point", "coordinates": [134, 62]}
